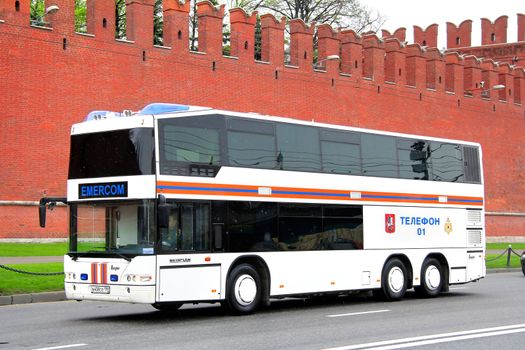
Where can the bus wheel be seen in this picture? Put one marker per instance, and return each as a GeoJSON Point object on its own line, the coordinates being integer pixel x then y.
{"type": "Point", "coordinates": [431, 278]}
{"type": "Point", "coordinates": [167, 307]}
{"type": "Point", "coordinates": [243, 290]}
{"type": "Point", "coordinates": [394, 280]}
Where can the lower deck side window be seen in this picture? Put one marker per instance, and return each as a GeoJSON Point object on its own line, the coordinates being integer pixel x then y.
{"type": "Point", "coordinates": [263, 226]}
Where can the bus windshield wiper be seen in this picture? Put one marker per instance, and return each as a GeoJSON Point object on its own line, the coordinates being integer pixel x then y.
{"type": "Point", "coordinates": [113, 251]}
{"type": "Point", "coordinates": [79, 255]}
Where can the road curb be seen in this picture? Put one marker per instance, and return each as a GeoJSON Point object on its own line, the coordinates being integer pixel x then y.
{"type": "Point", "coordinates": [504, 269]}
{"type": "Point", "coordinates": [32, 298]}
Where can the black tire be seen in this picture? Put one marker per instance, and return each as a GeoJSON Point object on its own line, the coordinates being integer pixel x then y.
{"type": "Point", "coordinates": [523, 263]}
{"type": "Point", "coordinates": [167, 307]}
{"type": "Point", "coordinates": [243, 290]}
{"type": "Point", "coordinates": [432, 279]}
{"type": "Point", "coordinates": [394, 280]}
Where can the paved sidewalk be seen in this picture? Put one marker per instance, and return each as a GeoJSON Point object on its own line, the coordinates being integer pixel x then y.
{"type": "Point", "coordinates": [9, 260]}
{"type": "Point", "coordinates": [32, 298]}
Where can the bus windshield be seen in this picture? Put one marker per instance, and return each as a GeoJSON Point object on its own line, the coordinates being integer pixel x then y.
{"type": "Point", "coordinates": [126, 228]}
{"type": "Point", "coordinates": [112, 153]}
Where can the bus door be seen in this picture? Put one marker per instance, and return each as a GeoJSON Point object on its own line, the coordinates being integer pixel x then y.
{"type": "Point", "coordinates": [187, 271]}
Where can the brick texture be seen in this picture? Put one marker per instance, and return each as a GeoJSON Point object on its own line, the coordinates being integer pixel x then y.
{"type": "Point", "coordinates": [51, 78]}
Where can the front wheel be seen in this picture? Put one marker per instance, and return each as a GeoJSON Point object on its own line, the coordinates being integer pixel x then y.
{"type": "Point", "coordinates": [394, 280]}
{"type": "Point", "coordinates": [243, 289]}
{"type": "Point", "coordinates": [431, 279]}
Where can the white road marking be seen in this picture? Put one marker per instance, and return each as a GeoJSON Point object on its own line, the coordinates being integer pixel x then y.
{"type": "Point", "coordinates": [358, 313]}
{"type": "Point", "coordinates": [62, 347]}
{"type": "Point", "coordinates": [436, 338]}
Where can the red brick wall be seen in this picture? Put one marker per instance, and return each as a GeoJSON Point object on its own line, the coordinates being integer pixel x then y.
{"type": "Point", "coordinates": [53, 78]}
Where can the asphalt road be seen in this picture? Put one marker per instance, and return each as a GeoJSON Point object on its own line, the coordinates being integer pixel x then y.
{"type": "Point", "coordinates": [484, 315]}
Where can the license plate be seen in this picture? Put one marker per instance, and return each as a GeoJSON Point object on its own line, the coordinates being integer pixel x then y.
{"type": "Point", "coordinates": [99, 289]}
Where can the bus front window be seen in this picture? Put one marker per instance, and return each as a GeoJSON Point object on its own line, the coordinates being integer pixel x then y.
{"type": "Point", "coordinates": [113, 227]}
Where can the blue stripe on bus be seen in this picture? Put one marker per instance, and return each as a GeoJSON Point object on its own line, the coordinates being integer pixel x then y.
{"type": "Point", "coordinates": [320, 194]}
{"type": "Point", "coordinates": [375, 196]}
{"type": "Point", "coordinates": [466, 200]}
{"type": "Point", "coordinates": [186, 188]}
{"type": "Point", "coordinates": [311, 193]}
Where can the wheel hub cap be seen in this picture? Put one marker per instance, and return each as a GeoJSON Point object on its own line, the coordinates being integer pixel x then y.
{"type": "Point", "coordinates": [396, 279]}
{"type": "Point", "coordinates": [432, 277]}
{"type": "Point", "coordinates": [245, 290]}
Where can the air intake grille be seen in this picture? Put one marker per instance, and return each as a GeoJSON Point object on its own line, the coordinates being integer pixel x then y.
{"type": "Point", "coordinates": [474, 237]}
{"type": "Point", "coordinates": [474, 217]}
{"type": "Point", "coordinates": [471, 159]}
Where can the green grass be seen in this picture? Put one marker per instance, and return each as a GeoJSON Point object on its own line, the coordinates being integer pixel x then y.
{"type": "Point", "coordinates": [42, 249]}
{"type": "Point", "coordinates": [502, 262]}
{"type": "Point", "coordinates": [17, 283]}
{"type": "Point", "coordinates": [518, 247]}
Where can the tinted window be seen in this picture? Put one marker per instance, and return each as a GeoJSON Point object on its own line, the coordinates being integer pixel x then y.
{"type": "Point", "coordinates": [252, 226]}
{"type": "Point", "coordinates": [300, 233]}
{"type": "Point", "coordinates": [251, 126]}
{"type": "Point", "coordinates": [413, 159]}
{"type": "Point", "coordinates": [341, 158]}
{"type": "Point", "coordinates": [188, 229]}
{"type": "Point", "coordinates": [379, 155]}
{"type": "Point", "coordinates": [343, 233]}
{"type": "Point", "coordinates": [113, 153]}
{"type": "Point", "coordinates": [251, 150]}
{"type": "Point", "coordinates": [293, 209]}
{"type": "Point", "coordinates": [191, 144]}
{"type": "Point", "coordinates": [298, 148]}
{"type": "Point", "coordinates": [447, 162]}
{"type": "Point", "coordinates": [317, 227]}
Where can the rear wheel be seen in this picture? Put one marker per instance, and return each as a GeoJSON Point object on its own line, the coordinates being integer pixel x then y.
{"type": "Point", "coordinates": [243, 289]}
{"type": "Point", "coordinates": [394, 280]}
{"type": "Point", "coordinates": [431, 278]}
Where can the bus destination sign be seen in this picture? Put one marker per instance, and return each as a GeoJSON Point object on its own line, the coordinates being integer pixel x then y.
{"type": "Point", "coordinates": [103, 190]}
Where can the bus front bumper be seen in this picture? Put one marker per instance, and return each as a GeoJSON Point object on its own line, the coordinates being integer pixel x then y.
{"type": "Point", "coordinates": [119, 293]}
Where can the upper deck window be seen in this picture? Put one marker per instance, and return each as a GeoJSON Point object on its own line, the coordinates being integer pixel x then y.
{"type": "Point", "coordinates": [200, 145]}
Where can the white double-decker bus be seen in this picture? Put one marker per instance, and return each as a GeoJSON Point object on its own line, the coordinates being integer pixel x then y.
{"type": "Point", "coordinates": [177, 204]}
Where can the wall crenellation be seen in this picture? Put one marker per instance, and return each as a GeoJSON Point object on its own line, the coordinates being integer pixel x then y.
{"type": "Point", "coordinates": [381, 60]}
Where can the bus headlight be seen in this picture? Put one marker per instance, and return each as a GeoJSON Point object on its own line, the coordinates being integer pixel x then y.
{"type": "Point", "coordinates": [71, 276]}
{"type": "Point", "coordinates": [139, 278]}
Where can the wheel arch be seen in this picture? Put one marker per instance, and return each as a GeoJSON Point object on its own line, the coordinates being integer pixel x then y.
{"type": "Point", "coordinates": [444, 265]}
{"type": "Point", "coordinates": [262, 269]}
{"type": "Point", "coordinates": [408, 265]}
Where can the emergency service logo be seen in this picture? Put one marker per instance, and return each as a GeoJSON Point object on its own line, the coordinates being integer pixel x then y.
{"type": "Point", "coordinates": [448, 226]}
{"type": "Point", "coordinates": [390, 223]}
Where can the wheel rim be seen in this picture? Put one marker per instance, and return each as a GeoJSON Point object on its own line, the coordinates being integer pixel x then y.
{"type": "Point", "coordinates": [396, 279]}
{"type": "Point", "coordinates": [432, 277]}
{"type": "Point", "coordinates": [245, 290]}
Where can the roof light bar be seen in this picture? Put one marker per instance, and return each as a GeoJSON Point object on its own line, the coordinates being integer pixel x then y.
{"type": "Point", "coordinates": [160, 108]}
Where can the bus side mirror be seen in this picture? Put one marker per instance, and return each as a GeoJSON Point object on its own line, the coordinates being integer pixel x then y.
{"type": "Point", "coordinates": [163, 212]}
{"type": "Point", "coordinates": [42, 207]}
{"type": "Point", "coordinates": [42, 212]}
